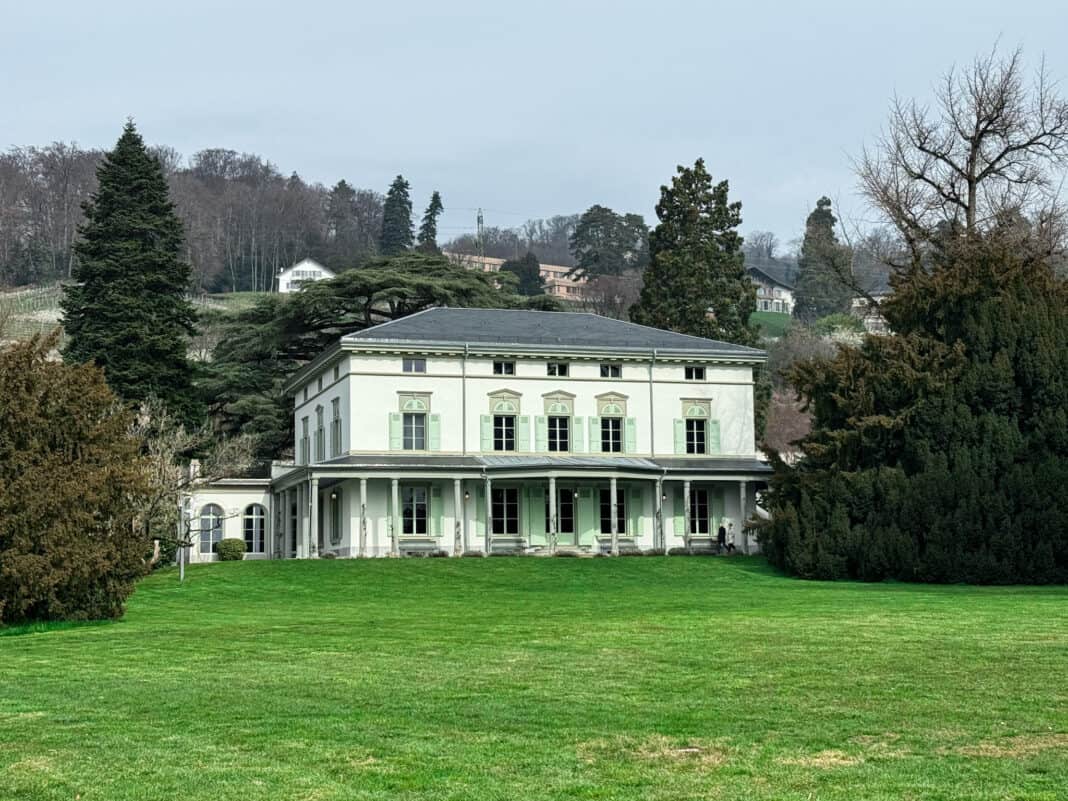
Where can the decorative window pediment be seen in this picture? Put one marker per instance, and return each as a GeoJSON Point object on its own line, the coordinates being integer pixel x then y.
{"type": "Point", "coordinates": [414, 402]}
{"type": "Point", "coordinates": [559, 404]}
{"type": "Point", "coordinates": [698, 408]}
{"type": "Point", "coordinates": [504, 401]}
{"type": "Point", "coordinates": [611, 404]}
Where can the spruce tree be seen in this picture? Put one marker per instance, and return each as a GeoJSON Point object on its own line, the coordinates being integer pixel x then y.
{"type": "Point", "coordinates": [527, 271]}
{"type": "Point", "coordinates": [822, 288]}
{"type": "Point", "coordinates": [696, 282]}
{"type": "Point", "coordinates": [127, 310]}
{"type": "Point", "coordinates": [397, 234]}
{"type": "Point", "coordinates": [428, 231]}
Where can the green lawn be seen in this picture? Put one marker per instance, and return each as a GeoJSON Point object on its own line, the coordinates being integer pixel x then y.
{"type": "Point", "coordinates": [771, 324]}
{"type": "Point", "coordinates": [514, 679]}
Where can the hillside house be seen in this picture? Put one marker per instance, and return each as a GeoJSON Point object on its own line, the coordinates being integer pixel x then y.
{"type": "Point", "coordinates": [293, 278]}
{"type": "Point", "coordinates": [500, 431]}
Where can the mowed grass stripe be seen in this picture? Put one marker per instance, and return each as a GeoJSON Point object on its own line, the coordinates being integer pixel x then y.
{"type": "Point", "coordinates": [649, 678]}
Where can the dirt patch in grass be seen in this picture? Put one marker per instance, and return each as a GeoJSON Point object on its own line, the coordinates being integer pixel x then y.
{"type": "Point", "coordinates": [35, 764]}
{"type": "Point", "coordinates": [655, 749]}
{"type": "Point", "coordinates": [831, 758]}
{"type": "Point", "coordinates": [1022, 745]}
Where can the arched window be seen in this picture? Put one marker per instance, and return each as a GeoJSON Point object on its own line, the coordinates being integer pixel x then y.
{"type": "Point", "coordinates": [255, 528]}
{"type": "Point", "coordinates": [211, 517]}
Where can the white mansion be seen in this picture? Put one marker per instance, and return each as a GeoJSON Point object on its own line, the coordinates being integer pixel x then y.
{"type": "Point", "coordinates": [462, 430]}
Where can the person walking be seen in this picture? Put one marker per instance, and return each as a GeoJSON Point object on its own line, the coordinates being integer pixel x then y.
{"type": "Point", "coordinates": [721, 539]}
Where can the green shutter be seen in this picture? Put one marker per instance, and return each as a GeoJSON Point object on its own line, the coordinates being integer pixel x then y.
{"type": "Point", "coordinates": [595, 435]}
{"type": "Point", "coordinates": [578, 437]}
{"type": "Point", "coordinates": [541, 433]}
{"type": "Point", "coordinates": [719, 509]}
{"type": "Point", "coordinates": [634, 510]}
{"type": "Point", "coordinates": [437, 511]}
{"type": "Point", "coordinates": [396, 432]}
{"type": "Point", "coordinates": [523, 433]}
{"type": "Point", "coordinates": [587, 515]}
{"type": "Point", "coordinates": [475, 542]}
{"type": "Point", "coordinates": [536, 515]}
{"type": "Point", "coordinates": [680, 436]}
{"type": "Point", "coordinates": [713, 436]}
{"type": "Point", "coordinates": [435, 432]}
{"type": "Point", "coordinates": [487, 433]}
{"type": "Point", "coordinates": [679, 523]}
{"type": "Point", "coordinates": [630, 435]}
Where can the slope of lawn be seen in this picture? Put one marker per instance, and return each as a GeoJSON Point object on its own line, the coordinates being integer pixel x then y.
{"type": "Point", "coordinates": [651, 678]}
{"type": "Point", "coordinates": [770, 324]}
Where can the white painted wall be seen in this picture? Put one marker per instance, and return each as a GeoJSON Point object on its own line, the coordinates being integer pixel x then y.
{"type": "Point", "coordinates": [233, 501]}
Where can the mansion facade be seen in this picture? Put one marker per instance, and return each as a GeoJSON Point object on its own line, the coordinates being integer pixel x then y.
{"type": "Point", "coordinates": [494, 431]}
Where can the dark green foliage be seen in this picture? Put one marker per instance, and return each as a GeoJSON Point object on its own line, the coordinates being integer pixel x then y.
{"type": "Point", "coordinates": [823, 268]}
{"type": "Point", "coordinates": [940, 453]}
{"type": "Point", "coordinates": [397, 234]}
{"type": "Point", "coordinates": [428, 230]}
{"type": "Point", "coordinates": [606, 243]}
{"type": "Point", "coordinates": [264, 345]}
{"type": "Point", "coordinates": [128, 311]}
{"type": "Point", "coordinates": [231, 550]}
{"type": "Point", "coordinates": [70, 476]}
{"type": "Point", "coordinates": [696, 282]}
{"type": "Point", "coordinates": [528, 274]}
{"type": "Point", "coordinates": [836, 323]}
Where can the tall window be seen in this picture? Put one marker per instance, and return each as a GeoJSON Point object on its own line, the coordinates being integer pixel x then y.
{"type": "Point", "coordinates": [558, 369]}
{"type": "Point", "coordinates": [699, 519]}
{"type": "Point", "coordinates": [255, 524]}
{"type": "Point", "coordinates": [565, 511]}
{"type": "Point", "coordinates": [320, 435]}
{"type": "Point", "coordinates": [559, 433]}
{"type": "Point", "coordinates": [611, 371]}
{"type": "Point", "coordinates": [335, 427]}
{"type": "Point", "coordinates": [211, 517]}
{"type": "Point", "coordinates": [505, 510]}
{"type": "Point", "coordinates": [695, 373]}
{"type": "Point", "coordinates": [305, 441]}
{"type": "Point", "coordinates": [414, 431]}
{"type": "Point", "coordinates": [414, 510]}
{"type": "Point", "coordinates": [606, 511]}
{"type": "Point", "coordinates": [696, 439]}
{"type": "Point", "coordinates": [504, 432]}
{"type": "Point", "coordinates": [414, 365]}
{"type": "Point", "coordinates": [612, 434]}
{"type": "Point", "coordinates": [504, 368]}
{"type": "Point", "coordinates": [337, 371]}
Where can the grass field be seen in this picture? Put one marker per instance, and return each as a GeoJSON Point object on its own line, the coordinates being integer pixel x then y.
{"type": "Point", "coordinates": [771, 324]}
{"type": "Point", "coordinates": [654, 678]}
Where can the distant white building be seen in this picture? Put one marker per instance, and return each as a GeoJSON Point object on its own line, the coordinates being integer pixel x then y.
{"type": "Point", "coordinates": [292, 278]}
{"type": "Point", "coordinates": [773, 294]}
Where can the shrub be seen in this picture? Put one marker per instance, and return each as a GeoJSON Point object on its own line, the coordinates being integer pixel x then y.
{"type": "Point", "coordinates": [70, 477]}
{"type": "Point", "coordinates": [231, 550]}
{"type": "Point", "coordinates": [839, 322]}
{"type": "Point", "coordinates": [473, 554]}
{"type": "Point", "coordinates": [328, 555]}
{"type": "Point", "coordinates": [438, 554]}
{"type": "Point", "coordinates": [565, 554]}
{"type": "Point", "coordinates": [653, 552]}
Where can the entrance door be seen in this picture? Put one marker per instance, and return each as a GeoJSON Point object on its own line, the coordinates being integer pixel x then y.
{"type": "Point", "coordinates": [700, 513]}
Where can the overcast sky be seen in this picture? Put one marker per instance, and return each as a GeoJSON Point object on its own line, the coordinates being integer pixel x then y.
{"type": "Point", "coordinates": [525, 111]}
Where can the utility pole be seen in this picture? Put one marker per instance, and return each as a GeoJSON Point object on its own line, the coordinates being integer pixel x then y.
{"type": "Point", "coordinates": [481, 243]}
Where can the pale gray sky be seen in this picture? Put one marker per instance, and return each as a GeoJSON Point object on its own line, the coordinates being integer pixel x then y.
{"type": "Point", "coordinates": [526, 111]}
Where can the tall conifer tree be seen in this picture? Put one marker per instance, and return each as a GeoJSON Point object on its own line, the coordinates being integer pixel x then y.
{"type": "Point", "coordinates": [428, 231]}
{"type": "Point", "coordinates": [397, 234]}
{"type": "Point", "coordinates": [127, 310]}
{"type": "Point", "coordinates": [822, 268]}
{"type": "Point", "coordinates": [696, 282]}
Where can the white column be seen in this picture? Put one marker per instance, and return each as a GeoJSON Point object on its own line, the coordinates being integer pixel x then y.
{"type": "Point", "coordinates": [363, 517]}
{"type": "Point", "coordinates": [302, 519]}
{"type": "Point", "coordinates": [552, 514]}
{"type": "Point", "coordinates": [686, 514]}
{"type": "Point", "coordinates": [458, 516]}
{"type": "Point", "coordinates": [394, 522]}
{"type": "Point", "coordinates": [659, 541]}
{"type": "Point", "coordinates": [313, 529]}
{"type": "Point", "coordinates": [614, 512]}
{"type": "Point", "coordinates": [489, 516]}
{"type": "Point", "coordinates": [743, 515]}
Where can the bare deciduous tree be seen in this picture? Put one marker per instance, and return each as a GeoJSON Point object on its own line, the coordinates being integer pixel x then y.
{"type": "Point", "coordinates": [991, 146]}
{"type": "Point", "coordinates": [762, 244]}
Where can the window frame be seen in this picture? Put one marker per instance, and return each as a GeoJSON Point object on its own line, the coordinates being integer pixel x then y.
{"type": "Point", "coordinates": [335, 427]}
{"type": "Point", "coordinates": [499, 510]}
{"type": "Point", "coordinates": [410, 437]}
{"type": "Point", "coordinates": [700, 498]}
{"type": "Point", "coordinates": [694, 372]}
{"type": "Point", "coordinates": [256, 515]}
{"type": "Point", "coordinates": [320, 434]}
{"type": "Point", "coordinates": [612, 437]}
{"type": "Point", "coordinates": [413, 365]}
{"type": "Point", "coordinates": [558, 369]}
{"type": "Point", "coordinates": [504, 367]}
{"type": "Point", "coordinates": [553, 433]}
{"type": "Point", "coordinates": [409, 510]}
{"type": "Point", "coordinates": [605, 510]}
{"type": "Point", "coordinates": [305, 439]}
{"type": "Point", "coordinates": [213, 534]}
{"type": "Point", "coordinates": [506, 425]}
{"type": "Point", "coordinates": [696, 436]}
{"type": "Point", "coordinates": [611, 370]}
{"type": "Point", "coordinates": [560, 494]}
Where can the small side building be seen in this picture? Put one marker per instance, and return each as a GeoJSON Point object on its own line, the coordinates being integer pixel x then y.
{"type": "Point", "coordinates": [293, 278]}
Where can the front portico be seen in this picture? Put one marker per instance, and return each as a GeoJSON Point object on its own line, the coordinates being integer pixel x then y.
{"type": "Point", "coordinates": [396, 505]}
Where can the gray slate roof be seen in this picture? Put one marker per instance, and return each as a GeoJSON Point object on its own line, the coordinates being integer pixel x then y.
{"type": "Point", "coordinates": [539, 328]}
